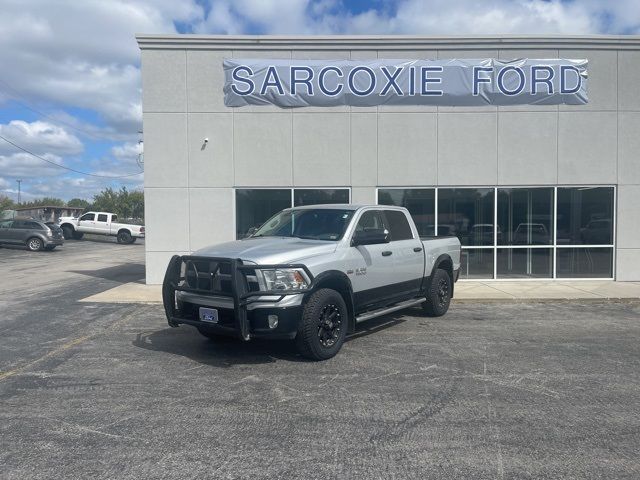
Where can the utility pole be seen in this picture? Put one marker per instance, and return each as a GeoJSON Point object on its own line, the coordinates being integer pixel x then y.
{"type": "Point", "coordinates": [19, 190]}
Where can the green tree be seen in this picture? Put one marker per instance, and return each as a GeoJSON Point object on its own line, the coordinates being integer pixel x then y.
{"type": "Point", "coordinates": [78, 202]}
{"type": "Point", "coordinates": [122, 202]}
{"type": "Point", "coordinates": [6, 203]}
{"type": "Point", "coordinates": [45, 201]}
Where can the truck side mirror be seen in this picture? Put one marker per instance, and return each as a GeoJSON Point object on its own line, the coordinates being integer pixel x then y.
{"type": "Point", "coordinates": [370, 237]}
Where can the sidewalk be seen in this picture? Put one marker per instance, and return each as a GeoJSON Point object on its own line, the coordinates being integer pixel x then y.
{"type": "Point", "coordinates": [464, 291]}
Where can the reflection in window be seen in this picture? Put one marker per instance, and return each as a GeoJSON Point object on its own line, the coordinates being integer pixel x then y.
{"type": "Point", "coordinates": [524, 263]}
{"type": "Point", "coordinates": [585, 216]}
{"type": "Point", "coordinates": [419, 201]}
{"type": "Point", "coordinates": [584, 262]}
{"type": "Point", "coordinates": [316, 196]}
{"type": "Point", "coordinates": [256, 206]}
{"type": "Point", "coordinates": [476, 263]}
{"type": "Point", "coordinates": [467, 213]}
{"type": "Point", "coordinates": [525, 216]}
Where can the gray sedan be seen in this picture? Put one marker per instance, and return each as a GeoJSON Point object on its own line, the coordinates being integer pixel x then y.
{"type": "Point", "coordinates": [34, 234]}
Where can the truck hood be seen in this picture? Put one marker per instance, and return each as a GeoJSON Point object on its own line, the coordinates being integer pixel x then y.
{"type": "Point", "coordinates": [269, 250]}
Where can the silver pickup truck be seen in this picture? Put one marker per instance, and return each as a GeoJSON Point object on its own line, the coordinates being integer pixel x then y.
{"type": "Point", "coordinates": [310, 274]}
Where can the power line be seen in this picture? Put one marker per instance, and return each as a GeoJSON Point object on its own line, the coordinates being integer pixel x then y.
{"type": "Point", "coordinates": [16, 98]}
{"type": "Point", "coordinates": [66, 168]}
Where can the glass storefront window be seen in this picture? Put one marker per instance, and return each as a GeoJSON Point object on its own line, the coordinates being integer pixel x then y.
{"type": "Point", "coordinates": [256, 206]}
{"type": "Point", "coordinates": [476, 263]}
{"type": "Point", "coordinates": [419, 201]}
{"type": "Point", "coordinates": [319, 196]}
{"type": "Point", "coordinates": [525, 216]}
{"type": "Point", "coordinates": [584, 262]}
{"type": "Point", "coordinates": [524, 263]}
{"type": "Point", "coordinates": [585, 216]}
{"type": "Point", "coordinates": [467, 213]}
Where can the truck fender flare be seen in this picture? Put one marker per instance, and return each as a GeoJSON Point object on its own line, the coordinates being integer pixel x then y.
{"type": "Point", "coordinates": [444, 262]}
{"type": "Point", "coordinates": [338, 281]}
{"type": "Point", "coordinates": [67, 224]}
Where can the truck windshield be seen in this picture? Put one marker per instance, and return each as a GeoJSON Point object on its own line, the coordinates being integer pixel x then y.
{"type": "Point", "coordinates": [309, 223]}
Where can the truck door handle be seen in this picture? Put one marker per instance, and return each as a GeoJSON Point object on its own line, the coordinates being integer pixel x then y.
{"type": "Point", "coordinates": [386, 253]}
{"type": "Point", "coordinates": [417, 249]}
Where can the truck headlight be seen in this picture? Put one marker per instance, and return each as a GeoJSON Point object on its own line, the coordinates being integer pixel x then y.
{"type": "Point", "coordinates": [282, 279]}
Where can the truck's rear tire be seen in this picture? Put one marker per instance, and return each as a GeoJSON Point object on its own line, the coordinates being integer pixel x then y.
{"type": "Point", "coordinates": [439, 294]}
{"type": "Point", "coordinates": [124, 237]}
{"type": "Point", "coordinates": [77, 235]}
{"type": "Point", "coordinates": [67, 232]}
{"type": "Point", "coordinates": [323, 326]}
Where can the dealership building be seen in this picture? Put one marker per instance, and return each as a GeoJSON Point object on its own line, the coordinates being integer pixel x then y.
{"type": "Point", "coordinates": [525, 147]}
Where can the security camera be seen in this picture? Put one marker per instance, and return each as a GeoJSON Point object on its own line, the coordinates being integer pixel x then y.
{"type": "Point", "coordinates": [206, 140]}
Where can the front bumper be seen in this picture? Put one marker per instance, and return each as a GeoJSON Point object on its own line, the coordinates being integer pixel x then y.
{"type": "Point", "coordinates": [242, 311]}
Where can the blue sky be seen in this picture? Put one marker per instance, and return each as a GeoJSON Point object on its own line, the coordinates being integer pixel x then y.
{"type": "Point", "coordinates": [72, 95]}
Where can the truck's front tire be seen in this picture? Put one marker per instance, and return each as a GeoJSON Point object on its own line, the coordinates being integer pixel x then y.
{"type": "Point", "coordinates": [77, 235]}
{"type": "Point", "coordinates": [439, 294]}
{"type": "Point", "coordinates": [323, 326]}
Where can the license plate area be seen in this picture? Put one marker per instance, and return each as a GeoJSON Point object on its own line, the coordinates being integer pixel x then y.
{"type": "Point", "coordinates": [208, 315]}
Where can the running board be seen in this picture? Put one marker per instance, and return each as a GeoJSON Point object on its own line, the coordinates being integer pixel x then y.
{"type": "Point", "coordinates": [385, 311]}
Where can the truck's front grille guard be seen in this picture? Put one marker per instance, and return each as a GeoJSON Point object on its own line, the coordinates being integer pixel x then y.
{"type": "Point", "coordinates": [237, 277]}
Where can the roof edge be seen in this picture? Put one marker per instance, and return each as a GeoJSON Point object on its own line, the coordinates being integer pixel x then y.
{"type": "Point", "coordinates": [384, 42]}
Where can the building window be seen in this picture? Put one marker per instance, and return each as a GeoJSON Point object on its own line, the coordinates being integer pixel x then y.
{"type": "Point", "coordinates": [466, 213]}
{"type": "Point", "coordinates": [319, 196]}
{"type": "Point", "coordinates": [525, 263]}
{"type": "Point", "coordinates": [419, 201]}
{"type": "Point", "coordinates": [256, 206]}
{"type": "Point", "coordinates": [525, 216]}
{"type": "Point", "coordinates": [538, 232]}
{"type": "Point", "coordinates": [585, 216]}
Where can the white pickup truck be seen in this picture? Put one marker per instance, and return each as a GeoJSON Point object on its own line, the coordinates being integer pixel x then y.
{"type": "Point", "coordinates": [310, 274]}
{"type": "Point", "coordinates": [100, 223]}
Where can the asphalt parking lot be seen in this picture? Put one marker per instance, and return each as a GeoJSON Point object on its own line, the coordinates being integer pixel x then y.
{"type": "Point", "coordinates": [517, 390]}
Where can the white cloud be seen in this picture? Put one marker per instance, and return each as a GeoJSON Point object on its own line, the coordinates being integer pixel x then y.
{"type": "Point", "coordinates": [83, 54]}
{"type": "Point", "coordinates": [39, 137]}
{"type": "Point", "coordinates": [433, 17]}
{"type": "Point", "coordinates": [23, 165]}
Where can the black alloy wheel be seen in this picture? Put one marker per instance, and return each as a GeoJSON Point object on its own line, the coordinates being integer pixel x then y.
{"type": "Point", "coordinates": [330, 323]}
{"type": "Point", "coordinates": [439, 294]}
{"type": "Point", "coordinates": [323, 326]}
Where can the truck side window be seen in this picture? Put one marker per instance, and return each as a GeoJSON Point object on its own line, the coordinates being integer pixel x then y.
{"type": "Point", "coordinates": [398, 225]}
{"type": "Point", "coordinates": [370, 220]}
{"type": "Point", "coordinates": [102, 217]}
{"type": "Point", "coordinates": [114, 218]}
{"type": "Point", "coordinates": [88, 216]}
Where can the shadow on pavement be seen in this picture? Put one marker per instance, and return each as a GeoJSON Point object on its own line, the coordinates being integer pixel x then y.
{"type": "Point", "coordinates": [185, 341]}
{"type": "Point", "coordinates": [125, 273]}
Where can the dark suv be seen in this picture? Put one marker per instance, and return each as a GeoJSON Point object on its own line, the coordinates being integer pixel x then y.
{"type": "Point", "coordinates": [36, 235]}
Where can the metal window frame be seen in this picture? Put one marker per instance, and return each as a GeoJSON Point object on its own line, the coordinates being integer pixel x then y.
{"type": "Point", "coordinates": [552, 246]}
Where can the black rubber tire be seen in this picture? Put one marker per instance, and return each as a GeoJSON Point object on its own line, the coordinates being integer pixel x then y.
{"type": "Point", "coordinates": [308, 338]}
{"type": "Point", "coordinates": [67, 232]}
{"type": "Point", "coordinates": [35, 244]}
{"type": "Point", "coordinates": [50, 248]}
{"type": "Point", "coordinates": [132, 241]}
{"type": "Point", "coordinates": [439, 294]}
{"type": "Point", "coordinates": [123, 237]}
{"type": "Point", "coordinates": [77, 235]}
